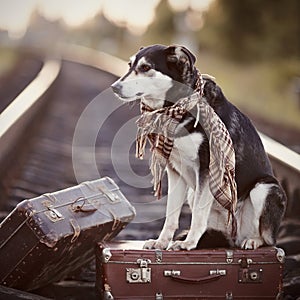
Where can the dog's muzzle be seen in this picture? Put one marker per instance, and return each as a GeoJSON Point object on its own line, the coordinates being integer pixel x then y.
{"type": "Point", "coordinates": [116, 87]}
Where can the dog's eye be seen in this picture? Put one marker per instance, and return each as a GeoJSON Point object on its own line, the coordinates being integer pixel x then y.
{"type": "Point", "coordinates": [144, 68]}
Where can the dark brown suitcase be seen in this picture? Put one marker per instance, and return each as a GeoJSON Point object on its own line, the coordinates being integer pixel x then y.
{"type": "Point", "coordinates": [124, 271]}
{"type": "Point", "coordinates": [45, 238]}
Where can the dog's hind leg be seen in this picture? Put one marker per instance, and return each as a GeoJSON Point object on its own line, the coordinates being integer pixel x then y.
{"type": "Point", "coordinates": [176, 197]}
{"type": "Point", "coordinates": [272, 214]}
{"type": "Point", "coordinates": [260, 215]}
{"type": "Point", "coordinates": [201, 207]}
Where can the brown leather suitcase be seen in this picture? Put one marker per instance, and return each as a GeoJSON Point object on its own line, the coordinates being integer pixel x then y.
{"type": "Point", "coordinates": [45, 238]}
{"type": "Point", "coordinates": [124, 271]}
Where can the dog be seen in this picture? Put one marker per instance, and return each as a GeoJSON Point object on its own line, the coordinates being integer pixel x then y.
{"type": "Point", "coordinates": [159, 76]}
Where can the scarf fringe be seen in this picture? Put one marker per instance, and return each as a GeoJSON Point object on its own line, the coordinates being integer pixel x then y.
{"type": "Point", "coordinates": [159, 127]}
{"type": "Point", "coordinates": [157, 167]}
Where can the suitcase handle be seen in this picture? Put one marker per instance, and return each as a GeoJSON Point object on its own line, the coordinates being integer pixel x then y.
{"type": "Point", "coordinates": [80, 204]}
{"type": "Point", "coordinates": [196, 280]}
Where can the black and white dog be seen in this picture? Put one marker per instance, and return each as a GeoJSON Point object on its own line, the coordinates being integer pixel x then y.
{"type": "Point", "coordinates": [160, 75]}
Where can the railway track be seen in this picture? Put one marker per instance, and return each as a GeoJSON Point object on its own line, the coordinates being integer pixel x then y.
{"type": "Point", "coordinates": [72, 129]}
{"type": "Point", "coordinates": [21, 73]}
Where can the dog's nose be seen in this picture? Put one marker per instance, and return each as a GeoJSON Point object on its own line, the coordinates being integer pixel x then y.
{"type": "Point", "coordinates": [116, 87]}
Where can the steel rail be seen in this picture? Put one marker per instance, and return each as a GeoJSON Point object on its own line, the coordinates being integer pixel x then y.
{"type": "Point", "coordinates": [94, 58]}
{"type": "Point", "coordinates": [281, 153]}
{"type": "Point", "coordinates": [15, 118]}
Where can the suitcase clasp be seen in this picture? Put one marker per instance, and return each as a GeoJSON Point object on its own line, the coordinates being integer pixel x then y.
{"type": "Point", "coordinates": [53, 214]}
{"type": "Point", "coordinates": [253, 275]}
{"type": "Point", "coordinates": [110, 195]}
{"type": "Point", "coordinates": [143, 262]}
{"type": "Point", "coordinates": [141, 274]}
{"type": "Point", "coordinates": [245, 262]}
{"type": "Point", "coordinates": [248, 274]}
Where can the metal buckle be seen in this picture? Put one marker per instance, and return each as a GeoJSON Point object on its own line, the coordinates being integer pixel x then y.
{"type": "Point", "coordinates": [141, 274]}
{"type": "Point", "coordinates": [53, 214]}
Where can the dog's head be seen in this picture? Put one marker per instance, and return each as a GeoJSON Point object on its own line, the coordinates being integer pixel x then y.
{"type": "Point", "coordinates": [158, 75]}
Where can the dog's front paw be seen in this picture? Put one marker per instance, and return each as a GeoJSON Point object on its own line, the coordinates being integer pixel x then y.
{"type": "Point", "coordinates": [251, 244]}
{"type": "Point", "coordinates": [182, 245]}
{"type": "Point", "coordinates": [156, 244]}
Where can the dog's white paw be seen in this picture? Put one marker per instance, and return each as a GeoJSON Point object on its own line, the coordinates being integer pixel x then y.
{"type": "Point", "coordinates": [182, 245]}
{"type": "Point", "coordinates": [251, 244]}
{"type": "Point", "coordinates": [156, 244]}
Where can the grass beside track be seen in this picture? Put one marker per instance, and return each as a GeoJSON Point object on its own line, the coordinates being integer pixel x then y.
{"type": "Point", "coordinates": [265, 89]}
{"type": "Point", "coordinates": [8, 59]}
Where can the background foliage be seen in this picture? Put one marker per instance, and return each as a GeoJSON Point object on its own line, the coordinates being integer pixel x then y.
{"type": "Point", "coordinates": [252, 47]}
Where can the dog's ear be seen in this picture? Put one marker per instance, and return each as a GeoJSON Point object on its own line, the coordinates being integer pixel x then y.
{"type": "Point", "coordinates": [181, 55]}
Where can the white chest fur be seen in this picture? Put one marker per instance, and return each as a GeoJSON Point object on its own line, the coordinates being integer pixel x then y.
{"type": "Point", "coordinates": [184, 157]}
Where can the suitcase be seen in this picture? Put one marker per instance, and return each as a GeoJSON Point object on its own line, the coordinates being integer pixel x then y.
{"type": "Point", "coordinates": [45, 238]}
{"type": "Point", "coordinates": [124, 271]}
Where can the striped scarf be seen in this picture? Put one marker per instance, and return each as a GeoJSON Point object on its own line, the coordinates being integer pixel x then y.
{"type": "Point", "coordinates": [159, 127]}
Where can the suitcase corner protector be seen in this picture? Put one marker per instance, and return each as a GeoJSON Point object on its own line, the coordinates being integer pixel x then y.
{"type": "Point", "coordinates": [107, 295]}
{"type": "Point", "coordinates": [280, 255]}
{"type": "Point", "coordinates": [106, 292]}
{"type": "Point", "coordinates": [106, 255]}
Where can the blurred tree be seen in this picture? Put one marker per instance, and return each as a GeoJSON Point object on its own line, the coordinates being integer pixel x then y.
{"type": "Point", "coordinates": [255, 29]}
{"type": "Point", "coordinates": [161, 31]}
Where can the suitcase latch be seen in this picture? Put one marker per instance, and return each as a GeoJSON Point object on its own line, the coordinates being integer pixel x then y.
{"type": "Point", "coordinates": [53, 214]}
{"type": "Point", "coordinates": [245, 262]}
{"type": "Point", "coordinates": [111, 195]}
{"type": "Point", "coordinates": [249, 274]}
{"type": "Point", "coordinates": [141, 274]}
